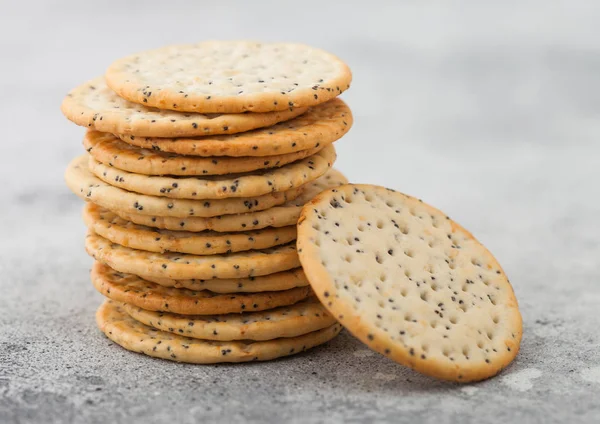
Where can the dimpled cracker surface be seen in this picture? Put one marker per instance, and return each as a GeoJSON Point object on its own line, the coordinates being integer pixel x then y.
{"type": "Point", "coordinates": [137, 337]}
{"type": "Point", "coordinates": [184, 266]}
{"type": "Point", "coordinates": [87, 186]}
{"type": "Point", "coordinates": [409, 282]}
{"type": "Point", "coordinates": [95, 106]}
{"type": "Point", "coordinates": [257, 183]}
{"type": "Point", "coordinates": [322, 124]}
{"type": "Point", "coordinates": [129, 288]}
{"type": "Point", "coordinates": [230, 77]}
{"type": "Point", "coordinates": [108, 149]}
{"type": "Point", "coordinates": [283, 280]}
{"type": "Point", "coordinates": [117, 230]}
{"type": "Point", "coordinates": [278, 216]}
{"type": "Point", "coordinates": [286, 321]}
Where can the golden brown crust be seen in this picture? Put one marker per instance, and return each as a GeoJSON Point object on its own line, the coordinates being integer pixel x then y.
{"type": "Point", "coordinates": [129, 288]}
{"type": "Point", "coordinates": [322, 124]}
{"type": "Point", "coordinates": [117, 230]}
{"type": "Point", "coordinates": [182, 266]}
{"type": "Point", "coordinates": [285, 321]}
{"type": "Point", "coordinates": [137, 337]}
{"type": "Point", "coordinates": [95, 106]}
{"type": "Point", "coordinates": [109, 149]}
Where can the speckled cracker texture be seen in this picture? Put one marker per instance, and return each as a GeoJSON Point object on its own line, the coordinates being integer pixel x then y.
{"type": "Point", "coordinates": [409, 282]}
{"type": "Point", "coordinates": [230, 77]}
{"type": "Point", "coordinates": [95, 106]}
{"type": "Point", "coordinates": [137, 337]}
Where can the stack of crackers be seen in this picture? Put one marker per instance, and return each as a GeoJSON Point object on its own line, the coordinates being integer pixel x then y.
{"type": "Point", "coordinates": [206, 162]}
{"type": "Point", "coordinates": [199, 161]}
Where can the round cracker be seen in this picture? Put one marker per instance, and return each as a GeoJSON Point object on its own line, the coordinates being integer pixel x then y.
{"type": "Point", "coordinates": [322, 124]}
{"type": "Point", "coordinates": [95, 106]}
{"type": "Point", "coordinates": [409, 282]}
{"type": "Point", "coordinates": [254, 184]}
{"type": "Point", "coordinates": [109, 149]}
{"type": "Point", "coordinates": [185, 266]}
{"type": "Point", "coordinates": [230, 77]}
{"type": "Point", "coordinates": [129, 288]}
{"type": "Point", "coordinates": [278, 216]}
{"type": "Point", "coordinates": [87, 186]}
{"type": "Point", "coordinates": [137, 337]}
{"type": "Point", "coordinates": [287, 321]}
{"type": "Point", "coordinates": [279, 281]}
{"type": "Point", "coordinates": [117, 230]}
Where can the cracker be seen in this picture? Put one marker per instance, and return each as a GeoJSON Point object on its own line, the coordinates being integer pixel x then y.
{"type": "Point", "coordinates": [286, 321]}
{"type": "Point", "coordinates": [87, 186]}
{"type": "Point", "coordinates": [230, 77]}
{"type": "Point", "coordinates": [254, 184]}
{"type": "Point", "coordinates": [279, 281]}
{"type": "Point", "coordinates": [117, 230]}
{"type": "Point", "coordinates": [95, 106]}
{"type": "Point", "coordinates": [129, 288]}
{"type": "Point", "coordinates": [322, 124]}
{"type": "Point", "coordinates": [107, 148]}
{"type": "Point", "coordinates": [278, 216]}
{"type": "Point", "coordinates": [182, 266]}
{"type": "Point", "coordinates": [137, 337]}
{"type": "Point", "coordinates": [409, 282]}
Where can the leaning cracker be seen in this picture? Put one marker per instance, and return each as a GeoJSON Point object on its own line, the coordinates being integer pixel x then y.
{"type": "Point", "coordinates": [230, 77]}
{"type": "Point", "coordinates": [109, 149]}
{"type": "Point", "coordinates": [286, 321]}
{"type": "Point", "coordinates": [129, 288]}
{"type": "Point", "coordinates": [137, 337]}
{"type": "Point", "coordinates": [87, 186]}
{"type": "Point", "coordinates": [279, 281]}
{"type": "Point", "coordinates": [321, 125]}
{"type": "Point", "coordinates": [117, 230]}
{"type": "Point", "coordinates": [409, 282]}
{"type": "Point", "coordinates": [278, 216]}
{"type": "Point", "coordinates": [254, 184]}
{"type": "Point", "coordinates": [95, 106]}
{"type": "Point", "coordinates": [183, 266]}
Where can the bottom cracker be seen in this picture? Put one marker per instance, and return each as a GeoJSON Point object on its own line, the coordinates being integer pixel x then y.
{"type": "Point", "coordinates": [132, 335]}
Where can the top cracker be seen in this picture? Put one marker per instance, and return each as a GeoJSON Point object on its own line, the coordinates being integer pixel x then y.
{"type": "Point", "coordinates": [230, 77]}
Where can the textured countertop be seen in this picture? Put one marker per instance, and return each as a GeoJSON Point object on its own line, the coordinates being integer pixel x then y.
{"type": "Point", "coordinates": [488, 111]}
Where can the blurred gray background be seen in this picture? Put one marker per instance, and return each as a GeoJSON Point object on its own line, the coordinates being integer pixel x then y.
{"type": "Point", "coordinates": [488, 110]}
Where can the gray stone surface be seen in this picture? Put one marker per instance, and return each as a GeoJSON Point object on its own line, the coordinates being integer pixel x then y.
{"type": "Point", "coordinates": [487, 110]}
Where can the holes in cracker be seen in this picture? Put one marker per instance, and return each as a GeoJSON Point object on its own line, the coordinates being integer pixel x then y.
{"type": "Point", "coordinates": [380, 224]}
{"type": "Point", "coordinates": [424, 295]}
{"type": "Point", "coordinates": [389, 204]}
{"type": "Point", "coordinates": [475, 262]}
{"type": "Point", "coordinates": [465, 352]}
{"type": "Point", "coordinates": [495, 319]}
{"type": "Point", "coordinates": [403, 292]}
{"type": "Point", "coordinates": [433, 324]}
{"type": "Point", "coordinates": [379, 258]}
{"type": "Point", "coordinates": [361, 228]}
{"type": "Point", "coordinates": [453, 319]}
{"type": "Point", "coordinates": [407, 273]}
{"type": "Point", "coordinates": [348, 258]}
{"type": "Point", "coordinates": [480, 345]}
{"type": "Point", "coordinates": [409, 253]}
{"type": "Point", "coordinates": [368, 197]}
{"type": "Point", "coordinates": [317, 242]}
{"type": "Point", "coordinates": [404, 229]}
{"type": "Point", "coordinates": [383, 278]}
{"type": "Point", "coordinates": [490, 335]}
{"type": "Point", "coordinates": [316, 227]}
